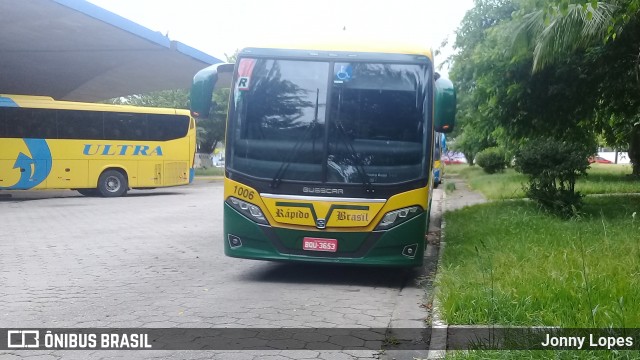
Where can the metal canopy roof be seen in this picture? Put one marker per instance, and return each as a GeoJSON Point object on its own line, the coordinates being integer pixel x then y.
{"type": "Point", "coordinates": [74, 50]}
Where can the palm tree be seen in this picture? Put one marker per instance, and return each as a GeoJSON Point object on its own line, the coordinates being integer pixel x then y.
{"type": "Point", "coordinates": [555, 33]}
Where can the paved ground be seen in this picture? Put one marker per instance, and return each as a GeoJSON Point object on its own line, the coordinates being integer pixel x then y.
{"type": "Point", "coordinates": [462, 195]}
{"type": "Point", "coordinates": [155, 259]}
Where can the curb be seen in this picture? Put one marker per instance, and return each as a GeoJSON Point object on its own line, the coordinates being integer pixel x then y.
{"type": "Point", "coordinates": [409, 313]}
{"type": "Point", "coordinates": [438, 343]}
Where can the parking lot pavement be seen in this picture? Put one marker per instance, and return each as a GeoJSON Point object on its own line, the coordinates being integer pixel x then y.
{"type": "Point", "coordinates": [155, 259]}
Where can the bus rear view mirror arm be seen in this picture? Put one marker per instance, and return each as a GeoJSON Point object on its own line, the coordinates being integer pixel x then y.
{"type": "Point", "coordinates": [217, 76]}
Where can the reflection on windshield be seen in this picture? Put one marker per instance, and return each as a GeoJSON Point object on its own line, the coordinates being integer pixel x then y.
{"type": "Point", "coordinates": [284, 102]}
{"type": "Point", "coordinates": [377, 110]}
{"type": "Point", "coordinates": [372, 132]}
{"type": "Point", "coordinates": [281, 102]}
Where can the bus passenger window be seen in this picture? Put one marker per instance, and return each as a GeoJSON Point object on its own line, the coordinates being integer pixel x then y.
{"type": "Point", "coordinates": [167, 127]}
{"type": "Point", "coordinates": [124, 126]}
{"type": "Point", "coordinates": [13, 119]}
{"type": "Point", "coordinates": [3, 126]}
{"type": "Point", "coordinates": [74, 124]}
{"type": "Point", "coordinates": [30, 123]}
{"type": "Point", "coordinates": [42, 124]}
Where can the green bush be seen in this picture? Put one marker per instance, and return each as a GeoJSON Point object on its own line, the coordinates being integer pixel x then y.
{"type": "Point", "coordinates": [553, 168]}
{"type": "Point", "coordinates": [492, 160]}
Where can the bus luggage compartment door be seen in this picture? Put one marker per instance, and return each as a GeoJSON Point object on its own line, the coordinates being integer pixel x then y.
{"type": "Point", "coordinates": [69, 174]}
{"type": "Point", "coordinates": [176, 173]}
{"type": "Point", "coordinates": [149, 174]}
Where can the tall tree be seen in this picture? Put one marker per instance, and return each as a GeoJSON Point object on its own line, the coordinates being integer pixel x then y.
{"type": "Point", "coordinates": [606, 34]}
{"type": "Point", "coordinates": [469, 67]}
{"type": "Point", "coordinates": [556, 32]}
{"type": "Point", "coordinates": [501, 100]}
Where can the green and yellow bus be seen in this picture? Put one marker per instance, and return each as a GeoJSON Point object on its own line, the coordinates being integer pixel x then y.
{"type": "Point", "coordinates": [97, 149]}
{"type": "Point", "coordinates": [329, 151]}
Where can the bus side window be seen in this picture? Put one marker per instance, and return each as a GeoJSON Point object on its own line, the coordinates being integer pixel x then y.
{"type": "Point", "coordinates": [3, 123]}
{"type": "Point", "coordinates": [167, 127]}
{"type": "Point", "coordinates": [30, 123]}
{"type": "Point", "coordinates": [21, 124]}
{"type": "Point", "coordinates": [42, 124]}
{"type": "Point", "coordinates": [154, 129]}
{"type": "Point", "coordinates": [14, 123]}
{"type": "Point", "coordinates": [124, 126]}
{"type": "Point", "coordinates": [80, 125]}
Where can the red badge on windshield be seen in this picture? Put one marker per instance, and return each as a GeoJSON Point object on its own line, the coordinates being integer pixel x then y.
{"type": "Point", "coordinates": [245, 68]}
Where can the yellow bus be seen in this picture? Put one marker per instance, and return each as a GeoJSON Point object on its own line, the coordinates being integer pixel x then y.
{"type": "Point", "coordinates": [97, 149]}
{"type": "Point", "coordinates": [329, 151]}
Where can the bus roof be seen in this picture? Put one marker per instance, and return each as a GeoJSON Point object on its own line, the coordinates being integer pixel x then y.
{"type": "Point", "coordinates": [45, 102]}
{"type": "Point", "coordinates": [356, 43]}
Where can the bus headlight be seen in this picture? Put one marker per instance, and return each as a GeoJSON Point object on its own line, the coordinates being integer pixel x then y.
{"type": "Point", "coordinates": [395, 217]}
{"type": "Point", "coordinates": [247, 209]}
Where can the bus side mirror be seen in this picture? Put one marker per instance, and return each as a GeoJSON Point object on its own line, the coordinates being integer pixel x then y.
{"type": "Point", "coordinates": [216, 76]}
{"type": "Point", "coordinates": [445, 106]}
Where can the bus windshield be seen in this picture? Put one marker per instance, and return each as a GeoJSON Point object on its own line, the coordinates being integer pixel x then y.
{"type": "Point", "coordinates": [329, 122]}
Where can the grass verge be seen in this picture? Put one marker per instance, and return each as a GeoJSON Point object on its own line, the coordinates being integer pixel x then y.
{"type": "Point", "coordinates": [213, 171]}
{"type": "Point", "coordinates": [601, 179]}
{"type": "Point", "coordinates": [508, 263]}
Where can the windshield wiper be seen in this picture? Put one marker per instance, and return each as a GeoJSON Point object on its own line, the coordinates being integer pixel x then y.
{"type": "Point", "coordinates": [368, 186]}
{"type": "Point", "coordinates": [277, 178]}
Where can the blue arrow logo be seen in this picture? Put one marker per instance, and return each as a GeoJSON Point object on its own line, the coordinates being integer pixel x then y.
{"type": "Point", "coordinates": [34, 169]}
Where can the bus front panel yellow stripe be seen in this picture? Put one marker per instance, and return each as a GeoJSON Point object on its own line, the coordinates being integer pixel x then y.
{"type": "Point", "coordinates": [299, 212]}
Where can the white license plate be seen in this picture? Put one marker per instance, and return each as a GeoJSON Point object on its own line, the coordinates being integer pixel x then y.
{"type": "Point", "coordinates": [317, 244]}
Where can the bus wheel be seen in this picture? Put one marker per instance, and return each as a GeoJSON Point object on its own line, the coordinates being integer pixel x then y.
{"type": "Point", "coordinates": [88, 192]}
{"type": "Point", "coordinates": [112, 183]}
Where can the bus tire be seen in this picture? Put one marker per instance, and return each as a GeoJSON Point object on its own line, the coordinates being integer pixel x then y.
{"type": "Point", "coordinates": [88, 192]}
{"type": "Point", "coordinates": [112, 183]}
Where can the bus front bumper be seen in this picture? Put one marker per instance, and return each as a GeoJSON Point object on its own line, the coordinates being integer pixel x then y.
{"type": "Point", "coordinates": [401, 246]}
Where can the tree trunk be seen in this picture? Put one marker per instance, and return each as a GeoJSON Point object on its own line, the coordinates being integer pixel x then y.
{"type": "Point", "coordinates": [214, 146]}
{"type": "Point", "coordinates": [470, 157]}
{"type": "Point", "coordinates": [634, 150]}
{"type": "Point", "coordinates": [207, 146]}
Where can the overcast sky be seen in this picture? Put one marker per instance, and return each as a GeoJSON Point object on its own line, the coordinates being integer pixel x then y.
{"type": "Point", "coordinates": [219, 27]}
